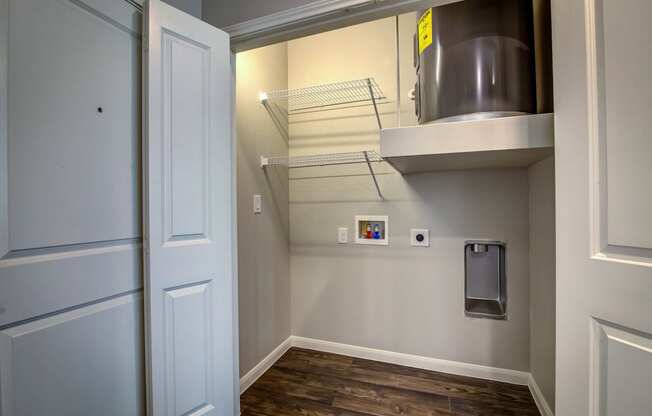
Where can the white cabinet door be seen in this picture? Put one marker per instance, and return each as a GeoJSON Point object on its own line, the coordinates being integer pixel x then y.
{"type": "Point", "coordinates": [603, 107]}
{"type": "Point", "coordinates": [71, 323]}
{"type": "Point", "coordinates": [189, 215]}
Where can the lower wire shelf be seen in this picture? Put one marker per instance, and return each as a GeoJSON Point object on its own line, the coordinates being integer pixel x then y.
{"type": "Point", "coordinates": [328, 159]}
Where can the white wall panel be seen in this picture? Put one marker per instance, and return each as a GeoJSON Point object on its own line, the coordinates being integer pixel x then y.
{"type": "Point", "coordinates": [623, 86]}
{"type": "Point", "coordinates": [73, 170]}
{"type": "Point", "coordinates": [186, 67]}
{"type": "Point", "coordinates": [621, 371]}
{"type": "Point", "coordinates": [71, 337]}
{"type": "Point", "coordinates": [187, 329]}
{"type": "Point", "coordinates": [49, 369]}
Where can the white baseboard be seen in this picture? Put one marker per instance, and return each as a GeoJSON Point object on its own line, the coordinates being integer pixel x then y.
{"type": "Point", "coordinates": [250, 378]}
{"type": "Point", "coordinates": [417, 361]}
{"type": "Point", "coordinates": [539, 399]}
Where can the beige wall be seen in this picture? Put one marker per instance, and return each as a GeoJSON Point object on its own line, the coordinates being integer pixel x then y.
{"type": "Point", "coordinates": [263, 275]}
{"type": "Point", "coordinates": [542, 276]}
{"type": "Point", "coordinates": [396, 298]}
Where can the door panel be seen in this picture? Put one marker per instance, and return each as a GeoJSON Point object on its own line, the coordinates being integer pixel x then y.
{"type": "Point", "coordinates": [624, 52]}
{"type": "Point", "coordinates": [187, 319]}
{"type": "Point", "coordinates": [67, 63]}
{"type": "Point", "coordinates": [604, 263]}
{"type": "Point", "coordinates": [71, 340]}
{"type": "Point", "coordinates": [189, 216]}
{"type": "Point", "coordinates": [623, 358]}
{"type": "Point", "coordinates": [186, 72]}
{"type": "Point", "coordinates": [53, 279]}
{"type": "Point", "coordinates": [54, 372]}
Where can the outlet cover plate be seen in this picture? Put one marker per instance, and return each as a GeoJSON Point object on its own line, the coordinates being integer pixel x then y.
{"type": "Point", "coordinates": [342, 235]}
{"type": "Point", "coordinates": [258, 204]}
{"type": "Point", "coordinates": [425, 237]}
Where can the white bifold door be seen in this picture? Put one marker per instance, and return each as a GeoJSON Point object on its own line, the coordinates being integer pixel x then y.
{"type": "Point", "coordinates": [603, 107]}
{"type": "Point", "coordinates": [71, 301]}
{"type": "Point", "coordinates": [116, 275]}
{"type": "Point", "coordinates": [189, 215]}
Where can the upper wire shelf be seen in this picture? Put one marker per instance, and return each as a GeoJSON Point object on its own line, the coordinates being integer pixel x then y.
{"type": "Point", "coordinates": [317, 97]}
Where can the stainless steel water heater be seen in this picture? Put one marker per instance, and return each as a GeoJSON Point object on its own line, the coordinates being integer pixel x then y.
{"type": "Point", "coordinates": [475, 59]}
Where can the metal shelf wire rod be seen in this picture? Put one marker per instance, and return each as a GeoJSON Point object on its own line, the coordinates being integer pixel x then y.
{"type": "Point", "coordinates": [329, 159]}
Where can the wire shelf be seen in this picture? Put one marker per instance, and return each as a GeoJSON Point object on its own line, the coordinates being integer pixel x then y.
{"type": "Point", "coordinates": [335, 95]}
{"type": "Point", "coordinates": [299, 100]}
{"type": "Point", "coordinates": [328, 159]}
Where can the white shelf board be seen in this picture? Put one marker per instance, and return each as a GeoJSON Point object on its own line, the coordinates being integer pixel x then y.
{"type": "Point", "coordinates": [516, 141]}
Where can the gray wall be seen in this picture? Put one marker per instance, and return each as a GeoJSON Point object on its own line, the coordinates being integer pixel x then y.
{"type": "Point", "coordinates": [396, 298]}
{"type": "Point", "coordinates": [264, 292]}
{"type": "Point", "coordinates": [222, 13]}
{"type": "Point", "coordinates": [542, 276]}
{"type": "Point", "coordinates": [193, 7]}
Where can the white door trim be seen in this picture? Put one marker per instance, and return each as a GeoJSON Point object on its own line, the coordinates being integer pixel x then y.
{"type": "Point", "coordinates": [315, 17]}
{"type": "Point", "coordinates": [4, 150]}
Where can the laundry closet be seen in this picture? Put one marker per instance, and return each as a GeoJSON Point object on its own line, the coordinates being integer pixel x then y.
{"type": "Point", "coordinates": [384, 218]}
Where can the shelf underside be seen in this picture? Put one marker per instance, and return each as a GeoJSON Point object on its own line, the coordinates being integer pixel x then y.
{"type": "Point", "coordinates": [517, 141]}
{"type": "Point", "coordinates": [469, 160]}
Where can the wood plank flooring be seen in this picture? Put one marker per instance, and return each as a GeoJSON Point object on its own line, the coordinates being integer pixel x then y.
{"type": "Point", "coordinates": [310, 383]}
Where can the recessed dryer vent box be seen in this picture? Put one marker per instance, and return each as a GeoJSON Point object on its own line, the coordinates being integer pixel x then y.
{"type": "Point", "coordinates": [372, 229]}
{"type": "Point", "coordinates": [485, 283]}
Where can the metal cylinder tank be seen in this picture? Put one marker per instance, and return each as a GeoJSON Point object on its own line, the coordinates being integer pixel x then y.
{"type": "Point", "coordinates": [475, 59]}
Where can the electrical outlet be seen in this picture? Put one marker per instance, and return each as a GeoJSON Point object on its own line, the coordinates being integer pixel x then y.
{"type": "Point", "coordinates": [342, 235]}
{"type": "Point", "coordinates": [258, 204]}
{"type": "Point", "coordinates": [419, 237]}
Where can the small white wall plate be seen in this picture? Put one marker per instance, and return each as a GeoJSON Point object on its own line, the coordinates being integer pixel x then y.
{"type": "Point", "coordinates": [342, 235]}
{"type": "Point", "coordinates": [362, 236]}
{"type": "Point", "coordinates": [419, 237]}
{"type": "Point", "coordinates": [258, 204]}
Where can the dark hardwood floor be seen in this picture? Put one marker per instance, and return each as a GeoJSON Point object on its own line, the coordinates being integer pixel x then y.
{"type": "Point", "coordinates": [310, 383]}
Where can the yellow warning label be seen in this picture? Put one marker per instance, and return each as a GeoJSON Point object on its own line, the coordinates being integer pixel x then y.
{"type": "Point", "coordinates": [425, 31]}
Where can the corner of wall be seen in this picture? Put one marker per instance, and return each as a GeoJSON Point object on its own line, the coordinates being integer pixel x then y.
{"type": "Point", "coordinates": [542, 281]}
{"type": "Point", "coordinates": [263, 265]}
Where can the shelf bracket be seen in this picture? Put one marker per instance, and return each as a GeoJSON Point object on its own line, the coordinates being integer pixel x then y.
{"type": "Point", "coordinates": [276, 116]}
{"type": "Point", "coordinates": [373, 175]}
{"type": "Point", "coordinates": [373, 101]}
